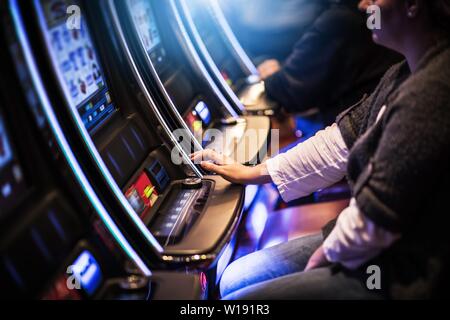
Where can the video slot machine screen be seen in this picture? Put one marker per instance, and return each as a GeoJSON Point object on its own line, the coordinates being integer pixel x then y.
{"type": "Point", "coordinates": [214, 42]}
{"type": "Point", "coordinates": [12, 182]}
{"type": "Point", "coordinates": [198, 119]}
{"type": "Point", "coordinates": [145, 25]}
{"type": "Point", "coordinates": [76, 62]}
{"type": "Point", "coordinates": [87, 272]}
{"type": "Point", "coordinates": [147, 188]}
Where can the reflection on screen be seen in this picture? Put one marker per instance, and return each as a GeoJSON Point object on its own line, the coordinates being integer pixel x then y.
{"type": "Point", "coordinates": [76, 63]}
{"type": "Point", "coordinates": [145, 24]}
{"type": "Point", "coordinates": [144, 20]}
{"type": "Point", "coordinates": [5, 148]}
{"type": "Point", "coordinates": [11, 176]}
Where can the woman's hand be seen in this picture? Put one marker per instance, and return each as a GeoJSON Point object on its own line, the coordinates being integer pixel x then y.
{"type": "Point", "coordinates": [231, 170]}
{"type": "Point", "coordinates": [317, 260]}
{"type": "Point", "coordinates": [268, 68]}
{"type": "Point", "coordinates": [364, 4]}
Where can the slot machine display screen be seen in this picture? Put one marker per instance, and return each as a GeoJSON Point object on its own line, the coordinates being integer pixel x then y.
{"type": "Point", "coordinates": [76, 62]}
{"type": "Point", "coordinates": [145, 25]}
{"type": "Point", "coordinates": [12, 183]}
{"type": "Point", "coordinates": [214, 42]}
{"type": "Point", "coordinates": [87, 272]}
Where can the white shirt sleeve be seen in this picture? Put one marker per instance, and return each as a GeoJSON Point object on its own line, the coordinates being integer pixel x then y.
{"type": "Point", "coordinates": [356, 239]}
{"type": "Point", "coordinates": [312, 165]}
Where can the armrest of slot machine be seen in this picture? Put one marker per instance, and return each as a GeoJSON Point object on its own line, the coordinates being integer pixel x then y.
{"type": "Point", "coordinates": [192, 219]}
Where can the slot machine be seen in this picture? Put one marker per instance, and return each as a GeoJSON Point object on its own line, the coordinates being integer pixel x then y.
{"type": "Point", "coordinates": [58, 240]}
{"type": "Point", "coordinates": [152, 40]}
{"type": "Point", "coordinates": [173, 215]}
{"type": "Point", "coordinates": [227, 62]}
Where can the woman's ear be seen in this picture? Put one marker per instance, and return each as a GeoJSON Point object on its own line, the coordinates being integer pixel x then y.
{"type": "Point", "coordinates": [412, 8]}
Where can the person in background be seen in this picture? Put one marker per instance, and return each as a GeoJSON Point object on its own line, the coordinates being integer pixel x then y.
{"type": "Point", "coordinates": [255, 24]}
{"type": "Point", "coordinates": [332, 66]}
{"type": "Point", "coordinates": [394, 149]}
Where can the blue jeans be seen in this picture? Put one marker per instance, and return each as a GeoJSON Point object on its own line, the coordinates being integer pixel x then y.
{"type": "Point", "coordinates": [277, 273]}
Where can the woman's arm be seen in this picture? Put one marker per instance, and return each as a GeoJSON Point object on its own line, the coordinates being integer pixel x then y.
{"type": "Point", "coordinates": [314, 164]}
{"type": "Point", "coordinates": [230, 169]}
{"type": "Point", "coordinates": [356, 239]}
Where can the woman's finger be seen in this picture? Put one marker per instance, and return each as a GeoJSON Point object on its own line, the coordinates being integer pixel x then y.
{"type": "Point", "coordinates": [197, 157]}
{"type": "Point", "coordinates": [196, 153]}
{"type": "Point", "coordinates": [212, 167]}
{"type": "Point", "coordinates": [204, 155]}
{"type": "Point", "coordinates": [211, 155]}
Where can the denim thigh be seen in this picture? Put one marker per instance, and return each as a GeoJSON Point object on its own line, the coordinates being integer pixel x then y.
{"type": "Point", "coordinates": [329, 283]}
{"type": "Point", "coordinates": [274, 262]}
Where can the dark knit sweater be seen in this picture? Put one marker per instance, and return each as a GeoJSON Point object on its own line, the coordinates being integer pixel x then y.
{"type": "Point", "coordinates": [399, 171]}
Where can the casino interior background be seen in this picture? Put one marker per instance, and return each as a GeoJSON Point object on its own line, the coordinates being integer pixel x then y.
{"type": "Point", "coordinates": [92, 94]}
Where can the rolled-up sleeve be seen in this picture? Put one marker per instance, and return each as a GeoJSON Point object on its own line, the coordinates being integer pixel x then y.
{"type": "Point", "coordinates": [356, 239]}
{"type": "Point", "coordinates": [312, 165]}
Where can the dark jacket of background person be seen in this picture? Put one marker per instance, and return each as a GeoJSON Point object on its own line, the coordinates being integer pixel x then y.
{"type": "Point", "coordinates": [399, 171]}
{"type": "Point", "coordinates": [333, 64]}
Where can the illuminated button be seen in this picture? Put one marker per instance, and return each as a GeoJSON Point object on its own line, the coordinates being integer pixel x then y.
{"type": "Point", "coordinates": [87, 271]}
{"type": "Point", "coordinates": [198, 125]}
{"type": "Point", "coordinates": [6, 190]}
{"type": "Point", "coordinates": [148, 192]}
